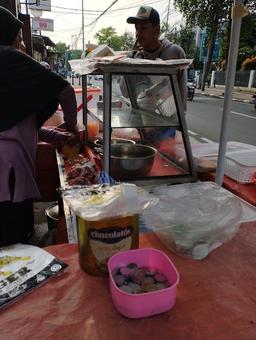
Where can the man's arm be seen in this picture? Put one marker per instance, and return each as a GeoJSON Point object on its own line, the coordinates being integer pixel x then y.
{"type": "Point", "coordinates": [69, 107]}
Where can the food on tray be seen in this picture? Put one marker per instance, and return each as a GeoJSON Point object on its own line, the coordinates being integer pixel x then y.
{"type": "Point", "coordinates": [133, 279]}
{"type": "Point", "coordinates": [81, 171]}
{"type": "Point", "coordinates": [70, 151]}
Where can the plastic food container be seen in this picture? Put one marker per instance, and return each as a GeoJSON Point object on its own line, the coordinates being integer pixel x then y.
{"type": "Point", "coordinates": [150, 303]}
{"type": "Point", "coordinates": [193, 219]}
{"type": "Point", "coordinates": [241, 166]}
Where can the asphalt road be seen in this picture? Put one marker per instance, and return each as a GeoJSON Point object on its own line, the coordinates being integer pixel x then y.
{"type": "Point", "coordinates": [204, 115]}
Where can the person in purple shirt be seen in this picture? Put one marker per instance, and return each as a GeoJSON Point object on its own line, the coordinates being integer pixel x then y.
{"type": "Point", "coordinates": [29, 95]}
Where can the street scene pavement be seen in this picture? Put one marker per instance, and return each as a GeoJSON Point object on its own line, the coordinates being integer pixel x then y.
{"type": "Point", "coordinates": [242, 94]}
{"type": "Point", "coordinates": [239, 93]}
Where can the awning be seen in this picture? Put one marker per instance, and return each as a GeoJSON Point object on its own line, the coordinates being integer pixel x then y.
{"type": "Point", "coordinates": [42, 40]}
{"type": "Point", "coordinates": [48, 41]}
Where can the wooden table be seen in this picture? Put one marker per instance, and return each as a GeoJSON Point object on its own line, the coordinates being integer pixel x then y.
{"type": "Point", "coordinates": [215, 300]}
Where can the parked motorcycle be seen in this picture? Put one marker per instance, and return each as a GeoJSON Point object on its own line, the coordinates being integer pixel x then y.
{"type": "Point", "coordinates": [191, 89]}
{"type": "Point", "coordinates": [253, 100]}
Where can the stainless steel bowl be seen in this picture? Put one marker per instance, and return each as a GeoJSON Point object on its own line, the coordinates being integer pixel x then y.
{"type": "Point", "coordinates": [99, 142]}
{"type": "Point", "coordinates": [131, 160]}
{"type": "Point", "coordinates": [122, 141]}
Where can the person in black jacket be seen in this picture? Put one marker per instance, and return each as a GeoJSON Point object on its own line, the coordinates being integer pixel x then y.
{"type": "Point", "coordinates": [29, 95]}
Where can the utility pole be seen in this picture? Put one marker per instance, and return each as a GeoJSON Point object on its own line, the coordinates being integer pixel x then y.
{"type": "Point", "coordinates": [167, 20]}
{"type": "Point", "coordinates": [238, 12]}
{"type": "Point", "coordinates": [83, 25]}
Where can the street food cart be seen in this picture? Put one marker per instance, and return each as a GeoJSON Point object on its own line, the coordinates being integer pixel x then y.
{"type": "Point", "coordinates": [142, 100]}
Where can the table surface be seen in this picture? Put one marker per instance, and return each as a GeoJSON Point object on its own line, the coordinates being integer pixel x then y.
{"type": "Point", "coordinates": [215, 300]}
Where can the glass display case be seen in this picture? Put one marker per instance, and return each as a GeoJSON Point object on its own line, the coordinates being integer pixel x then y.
{"type": "Point", "coordinates": [141, 121]}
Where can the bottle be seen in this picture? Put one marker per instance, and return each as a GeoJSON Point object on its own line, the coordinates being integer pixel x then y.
{"type": "Point", "coordinates": [92, 128]}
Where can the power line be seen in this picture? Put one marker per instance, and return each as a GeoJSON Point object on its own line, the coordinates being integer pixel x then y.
{"type": "Point", "coordinates": [99, 11]}
{"type": "Point", "coordinates": [104, 12]}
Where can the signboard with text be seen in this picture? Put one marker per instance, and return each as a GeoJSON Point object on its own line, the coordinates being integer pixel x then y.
{"type": "Point", "coordinates": [44, 5]}
{"type": "Point", "coordinates": [41, 24]}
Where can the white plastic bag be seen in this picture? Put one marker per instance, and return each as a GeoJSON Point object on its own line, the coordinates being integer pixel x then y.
{"type": "Point", "coordinates": [193, 219]}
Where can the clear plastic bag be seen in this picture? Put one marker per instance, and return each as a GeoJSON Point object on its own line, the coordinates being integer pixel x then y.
{"type": "Point", "coordinates": [193, 219]}
{"type": "Point", "coordinates": [101, 201]}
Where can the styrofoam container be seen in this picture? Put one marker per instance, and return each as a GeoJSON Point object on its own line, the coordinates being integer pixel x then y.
{"type": "Point", "coordinates": [241, 166]}
{"type": "Point", "coordinates": [150, 303]}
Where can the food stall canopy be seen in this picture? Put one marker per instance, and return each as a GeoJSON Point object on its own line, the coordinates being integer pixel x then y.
{"type": "Point", "coordinates": [238, 12]}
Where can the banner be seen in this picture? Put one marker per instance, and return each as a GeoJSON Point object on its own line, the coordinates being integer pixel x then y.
{"type": "Point", "coordinates": [44, 5]}
{"type": "Point", "coordinates": [42, 24]}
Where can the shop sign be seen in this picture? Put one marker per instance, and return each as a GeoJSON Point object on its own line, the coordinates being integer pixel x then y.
{"type": "Point", "coordinates": [42, 24]}
{"type": "Point", "coordinates": [44, 5]}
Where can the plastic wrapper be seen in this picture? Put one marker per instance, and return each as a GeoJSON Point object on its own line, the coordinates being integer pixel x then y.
{"type": "Point", "coordinates": [195, 218]}
{"type": "Point", "coordinates": [100, 201]}
{"type": "Point", "coordinates": [23, 268]}
{"type": "Point", "coordinates": [88, 65]}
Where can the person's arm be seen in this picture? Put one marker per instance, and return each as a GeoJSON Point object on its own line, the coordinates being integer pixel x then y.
{"type": "Point", "coordinates": [57, 138]}
{"type": "Point", "coordinates": [69, 107]}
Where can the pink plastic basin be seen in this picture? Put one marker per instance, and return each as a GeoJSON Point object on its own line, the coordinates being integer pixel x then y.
{"type": "Point", "coordinates": [144, 304]}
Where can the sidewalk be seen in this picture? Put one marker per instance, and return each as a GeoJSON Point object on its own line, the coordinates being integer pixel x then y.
{"type": "Point", "coordinates": [239, 93]}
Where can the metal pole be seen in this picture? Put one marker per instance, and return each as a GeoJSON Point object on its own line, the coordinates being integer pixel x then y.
{"type": "Point", "coordinates": [167, 20]}
{"type": "Point", "coordinates": [238, 11]}
{"type": "Point", "coordinates": [83, 25]}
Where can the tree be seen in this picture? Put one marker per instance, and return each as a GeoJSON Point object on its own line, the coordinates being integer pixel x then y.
{"type": "Point", "coordinates": [205, 14]}
{"type": "Point", "coordinates": [247, 41]}
{"type": "Point", "coordinates": [75, 54]}
{"type": "Point", "coordinates": [249, 64]}
{"type": "Point", "coordinates": [129, 40]}
{"type": "Point", "coordinates": [109, 37]}
{"type": "Point", "coordinates": [185, 37]}
{"type": "Point", "coordinates": [61, 48]}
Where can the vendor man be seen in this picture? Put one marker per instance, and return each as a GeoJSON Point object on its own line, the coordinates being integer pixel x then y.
{"type": "Point", "coordinates": [150, 46]}
{"type": "Point", "coordinates": [147, 26]}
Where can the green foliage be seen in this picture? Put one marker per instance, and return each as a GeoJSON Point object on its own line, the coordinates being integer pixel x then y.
{"type": "Point", "coordinates": [109, 37]}
{"type": "Point", "coordinates": [197, 64]}
{"type": "Point", "coordinates": [244, 53]}
{"type": "Point", "coordinates": [248, 31]}
{"type": "Point", "coordinates": [186, 39]}
{"type": "Point", "coordinates": [129, 40]}
{"type": "Point", "coordinates": [203, 13]}
{"type": "Point", "coordinates": [61, 47]}
{"type": "Point", "coordinates": [249, 64]}
{"type": "Point", "coordinates": [247, 39]}
{"type": "Point", "coordinates": [75, 54]}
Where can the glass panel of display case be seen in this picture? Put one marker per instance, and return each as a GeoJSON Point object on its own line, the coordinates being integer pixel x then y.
{"type": "Point", "coordinates": [141, 100]}
{"type": "Point", "coordinates": [149, 99]}
{"type": "Point", "coordinates": [142, 125]}
{"type": "Point", "coordinates": [153, 154]}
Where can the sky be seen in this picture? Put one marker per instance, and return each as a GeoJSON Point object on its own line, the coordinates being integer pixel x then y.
{"type": "Point", "coordinates": [67, 15]}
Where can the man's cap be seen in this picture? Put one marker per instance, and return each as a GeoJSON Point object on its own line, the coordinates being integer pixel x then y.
{"type": "Point", "coordinates": [145, 13]}
{"type": "Point", "coordinates": [9, 26]}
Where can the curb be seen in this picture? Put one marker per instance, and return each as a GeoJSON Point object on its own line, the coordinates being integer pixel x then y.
{"type": "Point", "coordinates": [222, 97]}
